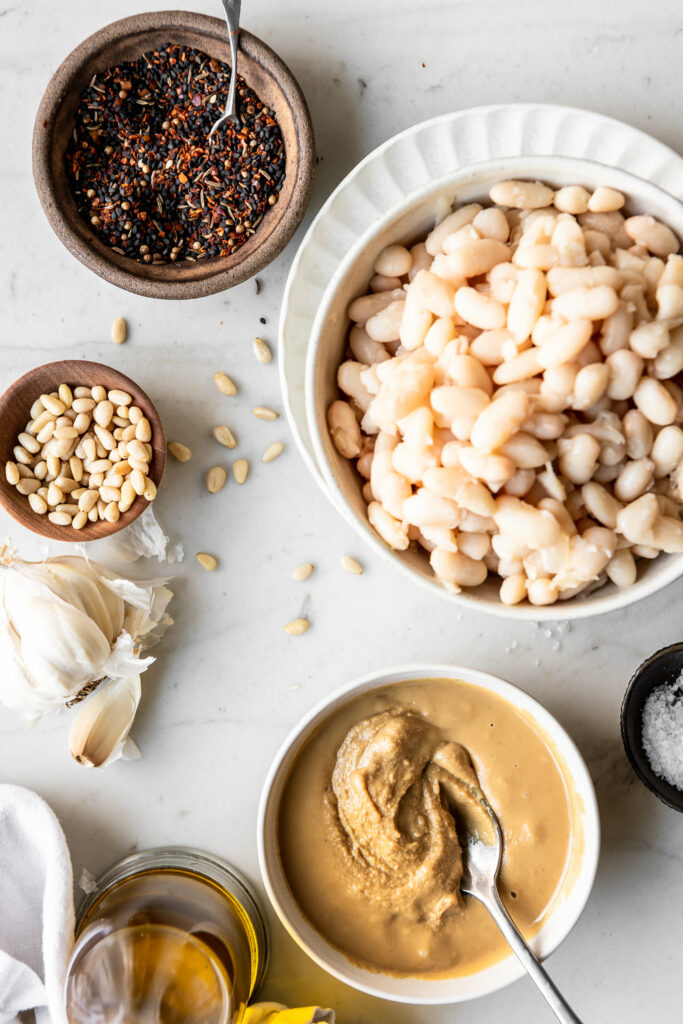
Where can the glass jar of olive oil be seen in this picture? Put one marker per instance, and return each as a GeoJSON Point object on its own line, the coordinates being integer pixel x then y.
{"type": "Point", "coordinates": [170, 936]}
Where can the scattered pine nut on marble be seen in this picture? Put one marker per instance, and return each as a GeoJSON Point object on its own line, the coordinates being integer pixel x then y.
{"type": "Point", "coordinates": [240, 470]}
{"type": "Point", "coordinates": [119, 331]}
{"type": "Point", "coordinates": [225, 436]}
{"type": "Point", "coordinates": [302, 572]}
{"type": "Point", "coordinates": [224, 384]}
{"type": "Point", "coordinates": [272, 451]}
{"type": "Point", "coordinates": [262, 412]}
{"type": "Point", "coordinates": [206, 561]}
{"type": "Point", "coordinates": [262, 351]}
{"type": "Point", "coordinates": [215, 479]}
{"type": "Point", "coordinates": [296, 627]}
{"type": "Point", "coordinates": [351, 565]}
{"type": "Point", "coordinates": [179, 451]}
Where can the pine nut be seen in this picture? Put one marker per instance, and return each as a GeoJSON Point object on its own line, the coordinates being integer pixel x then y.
{"type": "Point", "coordinates": [55, 495]}
{"type": "Point", "coordinates": [87, 500]}
{"type": "Point", "coordinates": [225, 436]}
{"type": "Point", "coordinates": [240, 469]}
{"type": "Point", "coordinates": [98, 393]}
{"type": "Point", "coordinates": [105, 437]}
{"type": "Point", "coordinates": [215, 479]}
{"type": "Point", "coordinates": [150, 490]}
{"type": "Point", "coordinates": [59, 518]}
{"type": "Point", "coordinates": [302, 572]}
{"type": "Point", "coordinates": [137, 479]}
{"type": "Point", "coordinates": [272, 451]}
{"type": "Point", "coordinates": [29, 443]}
{"type": "Point", "coordinates": [351, 565]}
{"type": "Point", "coordinates": [28, 485]}
{"type": "Point", "coordinates": [262, 351]}
{"type": "Point", "coordinates": [82, 391]}
{"type": "Point", "coordinates": [111, 512]}
{"type": "Point", "coordinates": [179, 451]}
{"type": "Point", "coordinates": [137, 450]}
{"type": "Point", "coordinates": [134, 414]}
{"type": "Point", "coordinates": [69, 507]}
{"type": "Point", "coordinates": [83, 404]}
{"type": "Point", "coordinates": [38, 504]}
{"type": "Point", "coordinates": [262, 412]}
{"type": "Point", "coordinates": [143, 429]}
{"type": "Point", "coordinates": [12, 473]}
{"type": "Point", "coordinates": [22, 456]}
{"type": "Point", "coordinates": [119, 397]}
{"type": "Point", "coordinates": [109, 494]}
{"type": "Point", "coordinates": [119, 331]}
{"type": "Point", "coordinates": [103, 413]}
{"type": "Point", "coordinates": [79, 520]}
{"type": "Point", "coordinates": [296, 627]}
{"type": "Point", "coordinates": [206, 561]}
{"type": "Point", "coordinates": [65, 433]}
{"type": "Point", "coordinates": [224, 384]}
{"type": "Point", "coordinates": [53, 405]}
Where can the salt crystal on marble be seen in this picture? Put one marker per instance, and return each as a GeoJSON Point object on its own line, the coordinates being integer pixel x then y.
{"type": "Point", "coordinates": [662, 732]}
{"type": "Point", "coordinates": [557, 646]}
{"type": "Point", "coordinates": [547, 633]}
{"type": "Point", "coordinates": [563, 627]}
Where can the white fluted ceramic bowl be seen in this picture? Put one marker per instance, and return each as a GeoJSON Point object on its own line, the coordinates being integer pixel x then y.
{"type": "Point", "coordinates": [569, 901]}
{"type": "Point", "coordinates": [406, 221]}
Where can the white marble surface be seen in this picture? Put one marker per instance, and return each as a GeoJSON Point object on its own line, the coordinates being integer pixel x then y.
{"type": "Point", "coordinates": [228, 683]}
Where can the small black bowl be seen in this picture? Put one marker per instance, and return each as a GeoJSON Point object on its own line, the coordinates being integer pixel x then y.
{"type": "Point", "coordinates": [662, 667]}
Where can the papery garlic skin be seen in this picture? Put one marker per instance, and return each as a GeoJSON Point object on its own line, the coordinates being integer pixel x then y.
{"type": "Point", "coordinates": [99, 732]}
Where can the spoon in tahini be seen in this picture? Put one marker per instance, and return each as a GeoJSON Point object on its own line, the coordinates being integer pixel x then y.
{"type": "Point", "coordinates": [232, 16]}
{"type": "Point", "coordinates": [481, 864]}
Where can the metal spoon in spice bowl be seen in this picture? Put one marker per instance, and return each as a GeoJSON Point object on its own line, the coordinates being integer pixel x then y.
{"type": "Point", "coordinates": [232, 16]}
{"type": "Point", "coordinates": [482, 854]}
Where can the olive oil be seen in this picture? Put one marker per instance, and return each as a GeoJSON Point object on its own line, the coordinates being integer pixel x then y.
{"type": "Point", "coordinates": [170, 937]}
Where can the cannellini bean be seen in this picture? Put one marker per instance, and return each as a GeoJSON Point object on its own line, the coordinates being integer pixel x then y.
{"type": "Point", "coordinates": [667, 450]}
{"type": "Point", "coordinates": [500, 420]}
{"type": "Point", "coordinates": [656, 237]}
{"type": "Point", "coordinates": [525, 451]}
{"type": "Point", "coordinates": [477, 499]}
{"type": "Point", "coordinates": [605, 199]}
{"type": "Point", "coordinates": [393, 261]}
{"type": "Point", "coordinates": [669, 362]}
{"type": "Point", "coordinates": [638, 433]}
{"type": "Point", "coordinates": [474, 545]}
{"type": "Point", "coordinates": [421, 260]}
{"type": "Point", "coordinates": [466, 372]}
{"type": "Point", "coordinates": [439, 335]}
{"type": "Point", "coordinates": [526, 304]}
{"type": "Point", "coordinates": [364, 349]}
{"type": "Point", "coordinates": [417, 428]}
{"type": "Point", "coordinates": [479, 309]}
{"type": "Point", "coordinates": [567, 239]}
{"type": "Point", "coordinates": [458, 408]}
{"type": "Point", "coordinates": [542, 591]}
{"type": "Point", "coordinates": [380, 283]}
{"type": "Point", "coordinates": [520, 483]}
{"type": "Point", "coordinates": [391, 530]}
{"type": "Point", "coordinates": [537, 257]}
{"type": "Point", "coordinates": [669, 289]}
{"type": "Point", "coordinates": [476, 257]}
{"type": "Point", "coordinates": [363, 308]}
{"type": "Point", "coordinates": [427, 509]}
{"type": "Point", "coordinates": [488, 347]}
{"type": "Point", "coordinates": [624, 369]}
{"type": "Point", "coordinates": [533, 527]}
{"type": "Point", "coordinates": [521, 195]}
{"type": "Point", "coordinates": [649, 339]}
{"type": "Point", "coordinates": [596, 242]}
{"type": "Point", "coordinates": [546, 426]}
{"type": "Point", "coordinates": [590, 385]}
{"type": "Point", "coordinates": [412, 463]}
{"type": "Point", "coordinates": [432, 293]}
{"type": "Point", "coordinates": [621, 568]}
{"type": "Point", "coordinates": [589, 303]}
{"type": "Point", "coordinates": [519, 368]}
{"type": "Point", "coordinates": [667, 534]}
{"type": "Point", "coordinates": [414, 324]}
{"type": "Point", "coordinates": [655, 402]}
{"type": "Point", "coordinates": [446, 481]}
{"type": "Point", "coordinates": [568, 279]}
{"type": "Point", "coordinates": [492, 223]}
{"type": "Point", "coordinates": [386, 325]}
{"type": "Point", "coordinates": [495, 469]}
{"type": "Point", "coordinates": [502, 280]}
{"type": "Point", "coordinates": [350, 382]}
{"type": "Point", "coordinates": [565, 344]}
{"type": "Point", "coordinates": [457, 569]}
{"type": "Point", "coordinates": [635, 478]}
{"type": "Point", "coordinates": [513, 589]}
{"type": "Point", "coordinates": [637, 519]}
{"type": "Point", "coordinates": [571, 199]}
{"type": "Point", "coordinates": [578, 457]}
{"type": "Point", "coordinates": [612, 224]}
{"type": "Point", "coordinates": [450, 224]}
{"type": "Point", "coordinates": [344, 429]}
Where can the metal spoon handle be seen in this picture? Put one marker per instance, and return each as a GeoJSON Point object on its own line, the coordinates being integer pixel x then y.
{"type": "Point", "coordinates": [536, 972]}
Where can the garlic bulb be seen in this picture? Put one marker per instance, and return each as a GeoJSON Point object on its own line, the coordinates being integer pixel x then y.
{"type": "Point", "coordinates": [68, 622]}
{"type": "Point", "coordinates": [100, 730]}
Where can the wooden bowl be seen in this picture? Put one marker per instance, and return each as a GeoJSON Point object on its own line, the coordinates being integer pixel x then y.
{"type": "Point", "coordinates": [15, 407]}
{"type": "Point", "coordinates": [263, 71]}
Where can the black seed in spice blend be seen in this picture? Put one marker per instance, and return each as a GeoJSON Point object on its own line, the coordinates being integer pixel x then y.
{"type": "Point", "coordinates": [143, 172]}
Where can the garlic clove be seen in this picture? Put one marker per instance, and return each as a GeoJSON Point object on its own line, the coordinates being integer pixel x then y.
{"type": "Point", "coordinates": [99, 732]}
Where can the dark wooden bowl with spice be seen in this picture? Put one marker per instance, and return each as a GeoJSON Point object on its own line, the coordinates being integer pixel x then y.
{"type": "Point", "coordinates": [128, 178]}
{"type": "Point", "coordinates": [15, 406]}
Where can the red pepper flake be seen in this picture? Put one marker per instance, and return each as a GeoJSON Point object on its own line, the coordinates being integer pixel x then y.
{"type": "Point", "coordinates": [183, 178]}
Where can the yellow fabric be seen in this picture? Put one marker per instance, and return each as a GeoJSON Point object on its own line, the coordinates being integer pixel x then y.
{"type": "Point", "coordinates": [276, 1013]}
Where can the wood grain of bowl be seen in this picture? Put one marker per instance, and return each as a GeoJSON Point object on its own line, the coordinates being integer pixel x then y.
{"type": "Point", "coordinates": [264, 72]}
{"type": "Point", "coordinates": [15, 405]}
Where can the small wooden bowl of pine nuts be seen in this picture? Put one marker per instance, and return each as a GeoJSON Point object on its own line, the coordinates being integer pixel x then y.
{"type": "Point", "coordinates": [107, 454]}
{"type": "Point", "coordinates": [457, 499]}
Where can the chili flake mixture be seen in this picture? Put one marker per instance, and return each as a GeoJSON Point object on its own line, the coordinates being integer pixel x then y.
{"type": "Point", "coordinates": [143, 172]}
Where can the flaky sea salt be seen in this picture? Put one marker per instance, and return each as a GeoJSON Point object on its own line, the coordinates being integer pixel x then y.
{"type": "Point", "coordinates": [662, 732]}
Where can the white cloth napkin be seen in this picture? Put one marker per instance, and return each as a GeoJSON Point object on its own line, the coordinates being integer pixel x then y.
{"type": "Point", "coordinates": [36, 908]}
